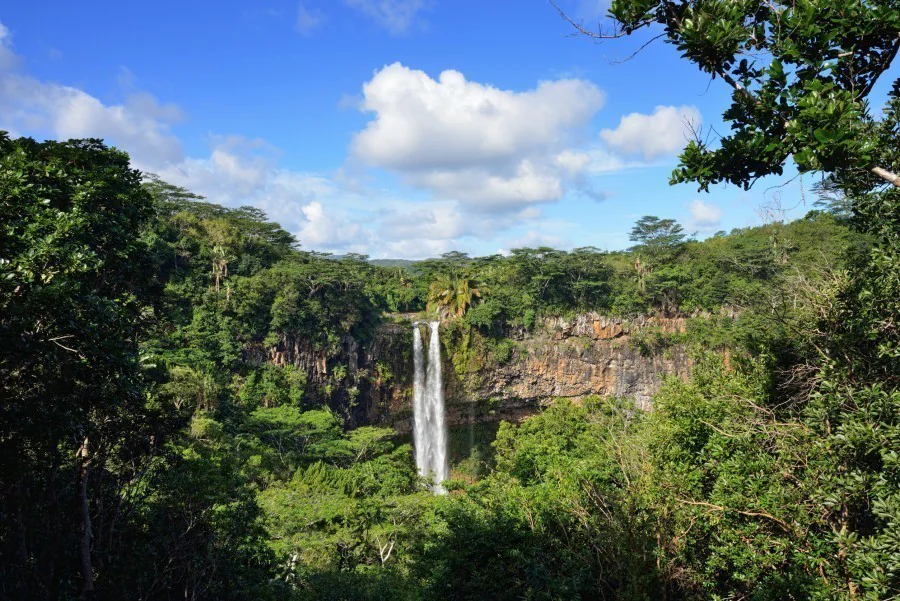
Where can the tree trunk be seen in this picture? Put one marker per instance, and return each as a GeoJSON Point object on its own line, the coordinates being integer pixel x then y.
{"type": "Point", "coordinates": [87, 568]}
{"type": "Point", "coordinates": [887, 176]}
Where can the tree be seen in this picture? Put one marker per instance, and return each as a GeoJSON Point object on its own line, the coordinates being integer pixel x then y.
{"type": "Point", "coordinates": [657, 236]}
{"type": "Point", "coordinates": [73, 294]}
{"type": "Point", "coordinates": [102, 493]}
{"type": "Point", "coordinates": [801, 75]}
{"type": "Point", "coordinates": [453, 295]}
{"type": "Point", "coordinates": [800, 72]}
{"type": "Point", "coordinates": [659, 242]}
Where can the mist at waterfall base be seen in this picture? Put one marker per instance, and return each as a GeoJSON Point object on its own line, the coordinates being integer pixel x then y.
{"type": "Point", "coordinates": [429, 421]}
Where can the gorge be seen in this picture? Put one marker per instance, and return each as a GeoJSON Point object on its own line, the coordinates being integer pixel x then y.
{"type": "Point", "coordinates": [337, 316]}
{"type": "Point", "coordinates": [273, 430]}
{"type": "Point", "coordinates": [588, 354]}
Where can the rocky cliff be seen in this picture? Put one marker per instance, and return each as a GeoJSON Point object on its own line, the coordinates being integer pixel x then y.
{"type": "Point", "coordinates": [370, 382]}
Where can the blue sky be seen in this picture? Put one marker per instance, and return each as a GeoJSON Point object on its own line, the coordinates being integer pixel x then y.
{"type": "Point", "coordinates": [395, 128]}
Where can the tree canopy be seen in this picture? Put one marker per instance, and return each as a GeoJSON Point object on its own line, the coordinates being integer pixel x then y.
{"type": "Point", "coordinates": [801, 75]}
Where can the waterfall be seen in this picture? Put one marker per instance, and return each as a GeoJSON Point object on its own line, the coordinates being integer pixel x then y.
{"type": "Point", "coordinates": [430, 430]}
{"type": "Point", "coordinates": [435, 404]}
{"type": "Point", "coordinates": [420, 438]}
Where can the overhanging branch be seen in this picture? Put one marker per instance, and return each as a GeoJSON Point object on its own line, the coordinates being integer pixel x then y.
{"type": "Point", "coordinates": [888, 176]}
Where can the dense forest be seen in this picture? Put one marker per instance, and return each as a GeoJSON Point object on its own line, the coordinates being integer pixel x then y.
{"type": "Point", "coordinates": [151, 449]}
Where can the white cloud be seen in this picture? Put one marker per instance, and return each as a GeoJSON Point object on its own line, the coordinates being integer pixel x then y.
{"type": "Point", "coordinates": [141, 125]}
{"type": "Point", "coordinates": [66, 112]}
{"type": "Point", "coordinates": [8, 58]}
{"type": "Point", "coordinates": [418, 249]}
{"type": "Point", "coordinates": [573, 162]}
{"type": "Point", "coordinates": [704, 216]}
{"type": "Point", "coordinates": [652, 136]}
{"type": "Point", "coordinates": [486, 147]}
{"type": "Point", "coordinates": [480, 188]}
{"type": "Point", "coordinates": [447, 220]}
{"type": "Point", "coordinates": [224, 175]}
{"type": "Point", "coordinates": [440, 222]}
{"type": "Point", "coordinates": [534, 239]}
{"type": "Point", "coordinates": [323, 214]}
{"type": "Point", "coordinates": [309, 19]}
{"type": "Point", "coordinates": [594, 194]}
{"type": "Point", "coordinates": [396, 16]}
{"type": "Point", "coordinates": [486, 155]}
{"type": "Point", "coordinates": [323, 230]}
{"type": "Point", "coordinates": [330, 212]}
{"type": "Point", "coordinates": [421, 123]}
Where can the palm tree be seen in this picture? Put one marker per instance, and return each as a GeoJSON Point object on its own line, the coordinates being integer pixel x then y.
{"type": "Point", "coordinates": [449, 295]}
{"type": "Point", "coordinates": [642, 270]}
{"type": "Point", "coordinates": [220, 260]}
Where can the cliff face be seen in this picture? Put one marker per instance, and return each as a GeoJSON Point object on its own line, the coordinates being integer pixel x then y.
{"type": "Point", "coordinates": [590, 354]}
{"type": "Point", "coordinates": [366, 382]}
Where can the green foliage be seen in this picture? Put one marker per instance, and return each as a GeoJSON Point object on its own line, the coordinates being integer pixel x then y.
{"type": "Point", "coordinates": [175, 416]}
{"type": "Point", "coordinates": [528, 319]}
{"type": "Point", "coordinates": [75, 292]}
{"type": "Point", "coordinates": [503, 351]}
{"type": "Point", "coordinates": [553, 521]}
{"type": "Point", "coordinates": [137, 426]}
{"type": "Point", "coordinates": [800, 75]}
{"type": "Point", "coordinates": [657, 236]}
{"type": "Point", "coordinates": [452, 294]}
{"type": "Point", "coordinates": [722, 457]}
{"type": "Point", "coordinates": [198, 528]}
{"type": "Point", "coordinates": [663, 273]}
{"type": "Point", "coordinates": [785, 471]}
{"type": "Point", "coordinates": [653, 340]}
{"type": "Point", "coordinates": [272, 386]}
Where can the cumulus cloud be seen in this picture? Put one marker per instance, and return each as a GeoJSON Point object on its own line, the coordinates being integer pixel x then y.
{"type": "Point", "coordinates": [488, 156]}
{"type": "Point", "coordinates": [534, 239]}
{"type": "Point", "coordinates": [239, 171]}
{"type": "Point", "coordinates": [440, 222]}
{"type": "Point", "coordinates": [141, 124]}
{"type": "Point", "coordinates": [486, 147]}
{"type": "Point", "coordinates": [652, 136]}
{"type": "Point", "coordinates": [324, 230]}
{"type": "Point", "coordinates": [323, 212]}
{"type": "Point", "coordinates": [309, 19]}
{"type": "Point", "coordinates": [594, 194]}
{"type": "Point", "coordinates": [8, 58]}
{"type": "Point", "coordinates": [421, 123]}
{"type": "Point", "coordinates": [227, 174]}
{"type": "Point", "coordinates": [704, 216]}
{"type": "Point", "coordinates": [573, 162]}
{"type": "Point", "coordinates": [445, 220]}
{"type": "Point", "coordinates": [396, 16]}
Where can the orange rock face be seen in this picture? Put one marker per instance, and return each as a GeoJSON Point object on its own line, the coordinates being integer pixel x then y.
{"type": "Point", "coordinates": [589, 354]}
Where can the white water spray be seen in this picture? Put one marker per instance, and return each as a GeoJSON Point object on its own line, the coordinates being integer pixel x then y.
{"type": "Point", "coordinates": [430, 430]}
{"type": "Point", "coordinates": [419, 425]}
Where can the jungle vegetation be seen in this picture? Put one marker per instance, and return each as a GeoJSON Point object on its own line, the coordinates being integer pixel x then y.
{"type": "Point", "coordinates": [146, 451]}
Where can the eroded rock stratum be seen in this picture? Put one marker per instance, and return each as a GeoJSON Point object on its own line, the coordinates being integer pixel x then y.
{"type": "Point", "coordinates": [590, 354]}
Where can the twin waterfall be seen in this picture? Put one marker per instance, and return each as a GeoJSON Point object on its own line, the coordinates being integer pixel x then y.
{"type": "Point", "coordinates": [430, 431]}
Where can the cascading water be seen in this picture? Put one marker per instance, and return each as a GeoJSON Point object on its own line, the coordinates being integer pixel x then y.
{"type": "Point", "coordinates": [435, 402]}
{"type": "Point", "coordinates": [420, 438]}
{"type": "Point", "coordinates": [430, 430]}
